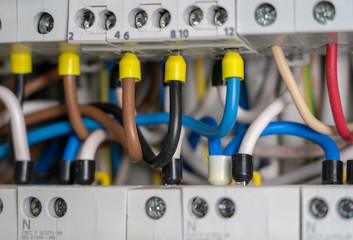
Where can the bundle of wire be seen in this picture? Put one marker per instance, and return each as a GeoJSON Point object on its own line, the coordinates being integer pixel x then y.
{"type": "Point", "coordinates": [189, 123]}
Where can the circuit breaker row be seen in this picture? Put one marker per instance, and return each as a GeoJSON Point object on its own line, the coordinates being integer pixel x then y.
{"type": "Point", "coordinates": [188, 212]}
{"type": "Point", "coordinates": [159, 25]}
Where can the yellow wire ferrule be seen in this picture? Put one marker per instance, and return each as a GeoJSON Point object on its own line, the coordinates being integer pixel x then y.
{"type": "Point", "coordinates": [69, 64]}
{"type": "Point", "coordinates": [129, 67]}
{"type": "Point", "coordinates": [232, 66]}
{"type": "Point", "coordinates": [175, 69]}
{"type": "Point", "coordinates": [21, 63]}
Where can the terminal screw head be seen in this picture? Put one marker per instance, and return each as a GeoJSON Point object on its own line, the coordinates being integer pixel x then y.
{"type": "Point", "coordinates": [265, 14]}
{"type": "Point", "coordinates": [110, 20]}
{"type": "Point", "coordinates": [1, 205]}
{"type": "Point", "coordinates": [318, 208]}
{"type": "Point", "coordinates": [345, 208]}
{"type": "Point", "coordinates": [88, 19]}
{"type": "Point", "coordinates": [226, 207]}
{"type": "Point", "coordinates": [220, 17]}
{"type": "Point", "coordinates": [45, 23]}
{"type": "Point", "coordinates": [324, 12]}
{"type": "Point", "coordinates": [199, 207]}
{"type": "Point", "coordinates": [195, 17]}
{"type": "Point", "coordinates": [35, 207]}
{"type": "Point", "coordinates": [60, 207]}
{"type": "Point", "coordinates": [164, 20]}
{"type": "Point", "coordinates": [155, 207]}
{"type": "Point", "coordinates": [141, 19]}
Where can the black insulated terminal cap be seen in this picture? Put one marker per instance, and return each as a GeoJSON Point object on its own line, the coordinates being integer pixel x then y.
{"type": "Point", "coordinates": [23, 172]}
{"type": "Point", "coordinates": [217, 74]}
{"type": "Point", "coordinates": [332, 172]}
{"type": "Point", "coordinates": [242, 167]}
{"type": "Point", "coordinates": [172, 173]}
{"type": "Point", "coordinates": [66, 172]}
{"type": "Point", "coordinates": [84, 171]}
{"type": "Point", "coordinates": [349, 172]}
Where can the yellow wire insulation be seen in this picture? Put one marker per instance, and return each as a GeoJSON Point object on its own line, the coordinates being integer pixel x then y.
{"type": "Point", "coordinates": [156, 177]}
{"type": "Point", "coordinates": [200, 78]}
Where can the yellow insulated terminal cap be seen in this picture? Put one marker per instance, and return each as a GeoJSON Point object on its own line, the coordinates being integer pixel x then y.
{"type": "Point", "coordinates": [69, 64]}
{"type": "Point", "coordinates": [232, 66]}
{"type": "Point", "coordinates": [129, 67]}
{"type": "Point", "coordinates": [175, 69]}
{"type": "Point", "coordinates": [21, 63]}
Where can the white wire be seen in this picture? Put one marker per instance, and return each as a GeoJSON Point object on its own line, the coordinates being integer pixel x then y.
{"type": "Point", "coordinates": [123, 170]}
{"type": "Point", "coordinates": [194, 158]}
{"type": "Point", "coordinates": [29, 107]}
{"type": "Point", "coordinates": [204, 108]}
{"type": "Point", "coordinates": [91, 144]}
{"type": "Point", "coordinates": [18, 126]}
{"type": "Point", "coordinates": [193, 179]}
{"type": "Point", "coordinates": [259, 125]}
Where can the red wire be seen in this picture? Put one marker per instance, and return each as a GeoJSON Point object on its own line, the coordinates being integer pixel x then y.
{"type": "Point", "coordinates": [333, 92]}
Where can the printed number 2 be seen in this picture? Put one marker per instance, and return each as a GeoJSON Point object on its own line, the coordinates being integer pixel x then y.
{"type": "Point", "coordinates": [71, 36]}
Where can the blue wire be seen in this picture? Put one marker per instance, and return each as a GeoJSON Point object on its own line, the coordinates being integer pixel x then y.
{"type": "Point", "coordinates": [112, 96]}
{"type": "Point", "coordinates": [71, 148]}
{"type": "Point", "coordinates": [290, 128]}
{"type": "Point", "coordinates": [226, 125]}
{"type": "Point", "coordinates": [243, 102]}
{"type": "Point", "coordinates": [48, 132]}
{"type": "Point", "coordinates": [214, 144]}
{"type": "Point", "coordinates": [48, 157]}
{"type": "Point", "coordinates": [114, 149]}
{"type": "Point", "coordinates": [161, 86]}
{"type": "Point", "coordinates": [116, 159]}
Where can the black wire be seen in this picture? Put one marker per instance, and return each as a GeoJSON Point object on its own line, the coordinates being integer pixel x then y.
{"type": "Point", "coordinates": [19, 87]}
{"type": "Point", "coordinates": [114, 77]}
{"type": "Point", "coordinates": [174, 128]}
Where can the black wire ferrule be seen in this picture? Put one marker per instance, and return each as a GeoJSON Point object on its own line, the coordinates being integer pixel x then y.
{"type": "Point", "coordinates": [23, 172]}
{"type": "Point", "coordinates": [172, 173]}
{"type": "Point", "coordinates": [217, 79]}
{"type": "Point", "coordinates": [332, 172]}
{"type": "Point", "coordinates": [242, 168]}
{"type": "Point", "coordinates": [66, 172]}
{"type": "Point", "coordinates": [84, 171]}
{"type": "Point", "coordinates": [349, 172]}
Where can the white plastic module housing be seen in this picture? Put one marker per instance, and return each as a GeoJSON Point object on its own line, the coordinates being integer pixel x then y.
{"type": "Point", "coordinates": [151, 39]}
{"type": "Point", "coordinates": [8, 31]}
{"type": "Point", "coordinates": [265, 212]}
{"type": "Point", "coordinates": [281, 32]}
{"type": "Point", "coordinates": [29, 13]}
{"type": "Point", "coordinates": [332, 226]}
{"type": "Point", "coordinates": [315, 34]}
{"type": "Point", "coordinates": [8, 216]}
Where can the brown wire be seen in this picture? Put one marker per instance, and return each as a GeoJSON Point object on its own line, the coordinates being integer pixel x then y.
{"type": "Point", "coordinates": [153, 91]}
{"type": "Point", "coordinates": [88, 111]}
{"type": "Point", "coordinates": [40, 82]}
{"type": "Point", "coordinates": [129, 122]}
{"type": "Point", "coordinates": [72, 107]}
{"type": "Point", "coordinates": [7, 176]}
{"type": "Point", "coordinates": [36, 84]}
